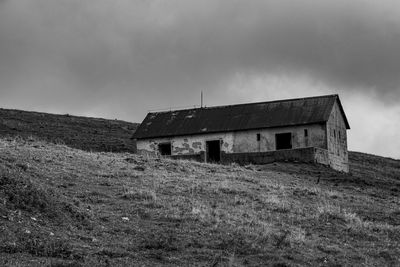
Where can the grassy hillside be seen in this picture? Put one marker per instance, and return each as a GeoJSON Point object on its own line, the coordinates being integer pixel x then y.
{"type": "Point", "coordinates": [90, 134]}
{"type": "Point", "coordinates": [66, 207]}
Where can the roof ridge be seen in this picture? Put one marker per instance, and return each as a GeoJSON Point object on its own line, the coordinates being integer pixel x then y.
{"type": "Point", "coordinates": [252, 103]}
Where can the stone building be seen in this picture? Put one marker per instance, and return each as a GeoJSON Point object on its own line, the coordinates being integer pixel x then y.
{"type": "Point", "coordinates": [311, 129]}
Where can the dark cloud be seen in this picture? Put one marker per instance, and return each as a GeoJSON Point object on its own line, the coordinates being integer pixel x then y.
{"type": "Point", "coordinates": [176, 45]}
{"type": "Point", "coordinates": [123, 57]}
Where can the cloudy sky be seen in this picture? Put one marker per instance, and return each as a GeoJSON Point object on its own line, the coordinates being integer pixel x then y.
{"type": "Point", "coordinates": [121, 58]}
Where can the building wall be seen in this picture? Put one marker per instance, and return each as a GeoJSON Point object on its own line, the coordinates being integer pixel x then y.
{"type": "Point", "coordinates": [307, 154]}
{"type": "Point", "coordinates": [191, 144]}
{"type": "Point", "coordinates": [246, 141]}
{"type": "Point", "coordinates": [337, 140]}
{"type": "Point", "coordinates": [240, 142]}
{"type": "Point", "coordinates": [243, 146]}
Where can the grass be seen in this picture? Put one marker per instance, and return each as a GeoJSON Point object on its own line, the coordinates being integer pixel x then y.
{"type": "Point", "coordinates": [90, 134]}
{"type": "Point", "coordinates": [66, 207]}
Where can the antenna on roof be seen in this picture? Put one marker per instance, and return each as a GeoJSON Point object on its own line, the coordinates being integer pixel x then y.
{"type": "Point", "coordinates": [201, 101]}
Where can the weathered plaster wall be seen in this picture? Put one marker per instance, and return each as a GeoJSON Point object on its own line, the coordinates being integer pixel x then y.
{"type": "Point", "coordinates": [193, 144]}
{"type": "Point", "coordinates": [243, 147]}
{"type": "Point", "coordinates": [240, 142]}
{"type": "Point", "coordinates": [246, 141]}
{"type": "Point", "coordinates": [337, 140]}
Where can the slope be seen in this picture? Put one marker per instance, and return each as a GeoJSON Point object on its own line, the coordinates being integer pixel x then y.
{"type": "Point", "coordinates": [91, 134]}
{"type": "Point", "coordinates": [66, 207]}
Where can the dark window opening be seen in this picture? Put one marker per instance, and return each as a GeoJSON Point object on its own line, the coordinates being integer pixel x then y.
{"type": "Point", "coordinates": [213, 151]}
{"type": "Point", "coordinates": [258, 137]}
{"type": "Point", "coordinates": [339, 134]}
{"type": "Point", "coordinates": [305, 132]}
{"type": "Point", "coordinates": [283, 141]}
{"type": "Point", "coordinates": [165, 149]}
{"type": "Point", "coordinates": [334, 133]}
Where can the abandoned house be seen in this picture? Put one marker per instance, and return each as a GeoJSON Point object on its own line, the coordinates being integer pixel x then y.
{"type": "Point", "coordinates": [311, 129]}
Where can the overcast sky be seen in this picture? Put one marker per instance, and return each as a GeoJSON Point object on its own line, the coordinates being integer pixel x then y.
{"type": "Point", "coordinates": [121, 58]}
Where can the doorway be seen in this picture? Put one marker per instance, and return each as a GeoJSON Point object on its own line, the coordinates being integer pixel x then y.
{"type": "Point", "coordinates": [213, 151]}
{"type": "Point", "coordinates": [283, 141]}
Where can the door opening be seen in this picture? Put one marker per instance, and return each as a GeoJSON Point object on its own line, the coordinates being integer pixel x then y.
{"type": "Point", "coordinates": [213, 151]}
{"type": "Point", "coordinates": [283, 141]}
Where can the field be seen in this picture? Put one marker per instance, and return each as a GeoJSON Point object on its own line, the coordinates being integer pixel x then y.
{"type": "Point", "coordinates": [90, 134]}
{"type": "Point", "coordinates": [61, 206]}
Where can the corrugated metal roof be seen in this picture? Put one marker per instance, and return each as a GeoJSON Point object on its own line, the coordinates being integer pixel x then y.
{"type": "Point", "coordinates": [238, 117]}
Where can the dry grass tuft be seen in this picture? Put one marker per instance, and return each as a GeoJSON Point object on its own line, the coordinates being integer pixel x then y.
{"type": "Point", "coordinates": [146, 195]}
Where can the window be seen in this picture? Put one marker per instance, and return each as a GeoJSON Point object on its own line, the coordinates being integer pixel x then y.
{"type": "Point", "coordinates": [334, 133]}
{"type": "Point", "coordinates": [165, 149]}
{"type": "Point", "coordinates": [339, 134]}
{"type": "Point", "coordinates": [258, 137]}
{"type": "Point", "coordinates": [283, 141]}
{"type": "Point", "coordinates": [305, 132]}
